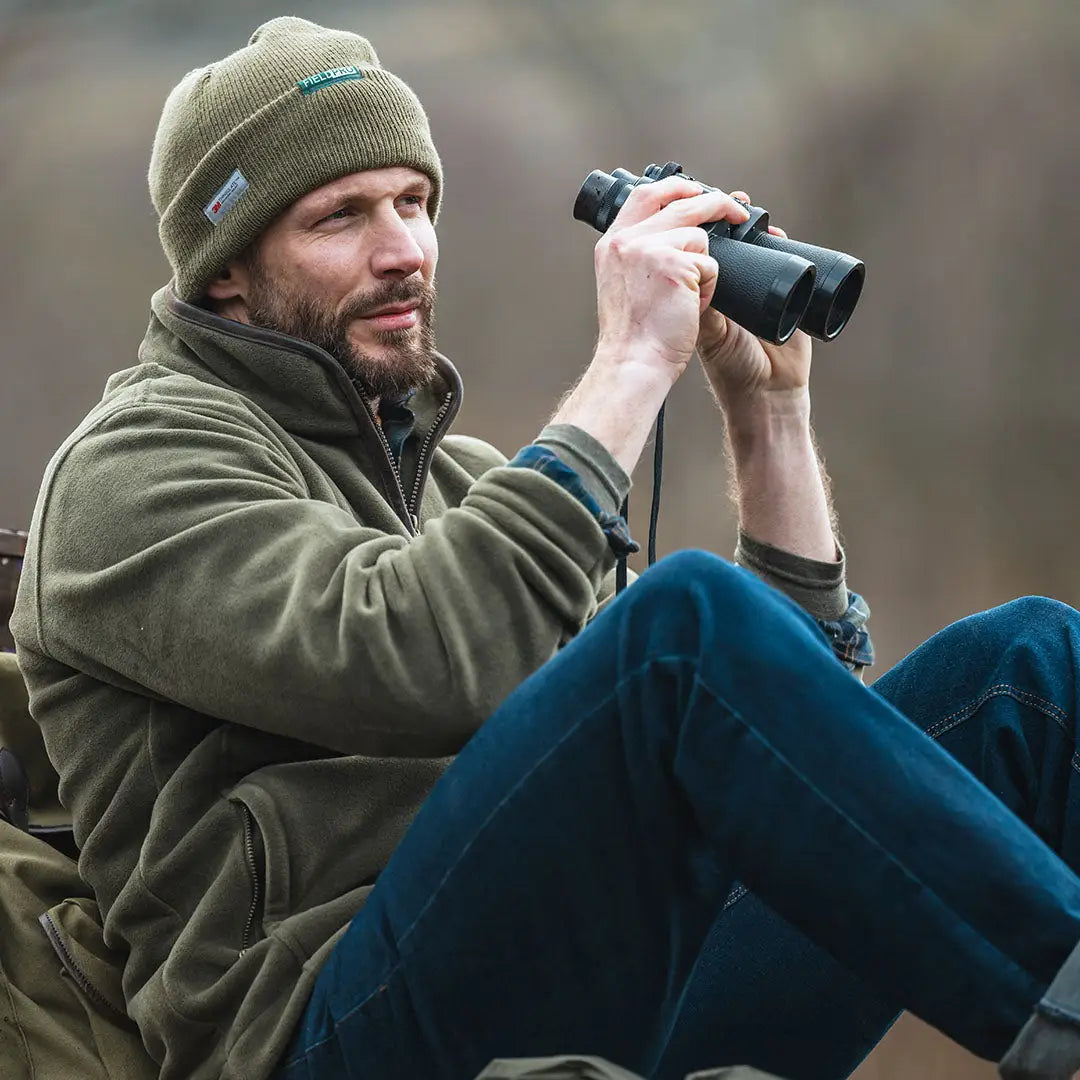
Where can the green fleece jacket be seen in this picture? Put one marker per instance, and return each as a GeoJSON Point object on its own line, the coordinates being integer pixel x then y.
{"type": "Point", "coordinates": [253, 642]}
{"type": "Point", "coordinates": [250, 672]}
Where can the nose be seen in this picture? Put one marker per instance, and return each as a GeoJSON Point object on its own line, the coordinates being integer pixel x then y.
{"type": "Point", "coordinates": [396, 254]}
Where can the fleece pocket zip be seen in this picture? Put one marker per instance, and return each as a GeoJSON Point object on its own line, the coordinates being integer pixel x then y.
{"type": "Point", "coordinates": [254, 856]}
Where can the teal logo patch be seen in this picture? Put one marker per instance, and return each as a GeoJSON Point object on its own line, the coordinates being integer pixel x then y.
{"type": "Point", "coordinates": [328, 78]}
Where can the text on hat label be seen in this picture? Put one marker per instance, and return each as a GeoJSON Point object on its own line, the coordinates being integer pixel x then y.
{"type": "Point", "coordinates": [327, 78]}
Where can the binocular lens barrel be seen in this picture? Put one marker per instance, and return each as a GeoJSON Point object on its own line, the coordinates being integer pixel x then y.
{"type": "Point", "coordinates": [769, 285]}
{"type": "Point", "coordinates": [765, 291]}
{"type": "Point", "coordinates": [837, 287]}
{"type": "Point", "coordinates": [601, 197]}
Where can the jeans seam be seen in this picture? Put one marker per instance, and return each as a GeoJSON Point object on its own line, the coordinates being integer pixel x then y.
{"type": "Point", "coordinates": [1052, 1010]}
{"type": "Point", "coordinates": [1024, 697]}
{"type": "Point", "coordinates": [733, 897]}
{"type": "Point", "coordinates": [782, 760]}
{"type": "Point", "coordinates": [389, 974]}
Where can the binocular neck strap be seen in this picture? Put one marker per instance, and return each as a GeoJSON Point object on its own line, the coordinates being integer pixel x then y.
{"type": "Point", "coordinates": [654, 512]}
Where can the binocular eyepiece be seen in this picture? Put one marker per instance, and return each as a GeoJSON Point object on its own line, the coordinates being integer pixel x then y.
{"type": "Point", "coordinates": [769, 285]}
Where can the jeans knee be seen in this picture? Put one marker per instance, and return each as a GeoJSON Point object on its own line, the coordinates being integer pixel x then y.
{"type": "Point", "coordinates": [1040, 631]}
{"type": "Point", "coordinates": [689, 564]}
{"type": "Point", "coordinates": [1037, 613]}
{"type": "Point", "coordinates": [674, 581]}
{"type": "Point", "coordinates": [696, 592]}
{"type": "Point", "coordinates": [1032, 643]}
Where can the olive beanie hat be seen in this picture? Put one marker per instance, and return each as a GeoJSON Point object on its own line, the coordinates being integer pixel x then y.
{"type": "Point", "coordinates": [243, 138]}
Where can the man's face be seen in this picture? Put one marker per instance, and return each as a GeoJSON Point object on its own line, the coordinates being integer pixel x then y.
{"type": "Point", "coordinates": [340, 254]}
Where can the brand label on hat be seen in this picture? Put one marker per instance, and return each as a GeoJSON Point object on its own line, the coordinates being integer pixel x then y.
{"type": "Point", "coordinates": [328, 78]}
{"type": "Point", "coordinates": [225, 197]}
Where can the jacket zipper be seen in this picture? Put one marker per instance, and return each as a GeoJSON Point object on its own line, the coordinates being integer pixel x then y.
{"type": "Point", "coordinates": [414, 500]}
{"type": "Point", "coordinates": [82, 980]}
{"type": "Point", "coordinates": [412, 523]}
{"type": "Point", "coordinates": [253, 873]}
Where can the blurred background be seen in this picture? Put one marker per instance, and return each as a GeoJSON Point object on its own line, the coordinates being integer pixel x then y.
{"type": "Point", "coordinates": [936, 139]}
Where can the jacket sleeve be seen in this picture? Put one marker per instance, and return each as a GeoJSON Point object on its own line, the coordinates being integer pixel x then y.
{"type": "Point", "coordinates": [179, 555]}
{"type": "Point", "coordinates": [820, 588]}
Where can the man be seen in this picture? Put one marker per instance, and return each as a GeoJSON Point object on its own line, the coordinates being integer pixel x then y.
{"type": "Point", "coordinates": [268, 599]}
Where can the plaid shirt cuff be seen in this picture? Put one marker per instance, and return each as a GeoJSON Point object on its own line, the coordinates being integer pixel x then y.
{"type": "Point", "coordinates": [848, 635]}
{"type": "Point", "coordinates": [554, 468]}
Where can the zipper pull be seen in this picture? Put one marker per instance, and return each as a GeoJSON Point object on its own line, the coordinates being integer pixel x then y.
{"type": "Point", "coordinates": [415, 523]}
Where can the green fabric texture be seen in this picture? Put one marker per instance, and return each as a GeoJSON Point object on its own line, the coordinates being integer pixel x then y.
{"type": "Point", "coordinates": [818, 587]}
{"type": "Point", "coordinates": [249, 671]}
{"type": "Point", "coordinates": [297, 107]}
{"type": "Point", "coordinates": [576, 1067]}
{"type": "Point", "coordinates": [58, 989]}
{"type": "Point", "coordinates": [603, 477]}
{"type": "Point", "coordinates": [565, 1067]}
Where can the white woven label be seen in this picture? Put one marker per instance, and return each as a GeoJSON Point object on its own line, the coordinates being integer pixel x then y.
{"type": "Point", "coordinates": [225, 197]}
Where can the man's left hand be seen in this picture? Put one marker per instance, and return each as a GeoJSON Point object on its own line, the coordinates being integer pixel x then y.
{"type": "Point", "coordinates": [742, 369]}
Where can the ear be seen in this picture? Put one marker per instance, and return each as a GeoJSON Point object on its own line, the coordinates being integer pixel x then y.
{"type": "Point", "coordinates": [231, 284]}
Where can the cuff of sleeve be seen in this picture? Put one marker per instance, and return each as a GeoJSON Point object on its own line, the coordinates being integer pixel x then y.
{"type": "Point", "coordinates": [546, 461]}
{"type": "Point", "coordinates": [817, 587]}
{"type": "Point", "coordinates": [848, 635]}
{"type": "Point", "coordinates": [601, 474]}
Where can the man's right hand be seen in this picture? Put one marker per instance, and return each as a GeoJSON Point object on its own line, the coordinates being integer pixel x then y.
{"type": "Point", "coordinates": [654, 278]}
{"type": "Point", "coordinates": [654, 274]}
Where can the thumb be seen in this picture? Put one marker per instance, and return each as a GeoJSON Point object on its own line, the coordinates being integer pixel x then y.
{"type": "Point", "coordinates": [709, 275]}
{"type": "Point", "coordinates": [713, 328]}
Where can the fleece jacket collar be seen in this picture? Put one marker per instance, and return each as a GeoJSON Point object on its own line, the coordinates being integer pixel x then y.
{"type": "Point", "coordinates": [300, 385]}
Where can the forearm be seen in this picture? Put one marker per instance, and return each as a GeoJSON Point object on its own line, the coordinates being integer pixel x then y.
{"type": "Point", "coordinates": [780, 486]}
{"type": "Point", "coordinates": [616, 402]}
{"type": "Point", "coordinates": [787, 528]}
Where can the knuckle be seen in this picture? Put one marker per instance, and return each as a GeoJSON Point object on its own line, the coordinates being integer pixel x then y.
{"type": "Point", "coordinates": [643, 194]}
{"type": "Point", "coordinates": [615, 245]}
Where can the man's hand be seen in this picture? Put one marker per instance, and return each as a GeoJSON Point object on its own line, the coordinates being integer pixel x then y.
{"type": "Point", "coordinates": [741, 368]}
{"type": "Point", "coordinates": [654, 274]}
{"type": "Point", "coordinates": [654, 278]}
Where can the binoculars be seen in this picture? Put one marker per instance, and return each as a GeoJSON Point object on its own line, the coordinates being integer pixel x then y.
{"type": "Point", "coordinates": [767, 284]}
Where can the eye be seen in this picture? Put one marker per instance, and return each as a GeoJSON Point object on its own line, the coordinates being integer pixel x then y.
{"type": "Point", "coordinates": [337, 215]}
{"type": "Point", "coordinates": [417, 200]}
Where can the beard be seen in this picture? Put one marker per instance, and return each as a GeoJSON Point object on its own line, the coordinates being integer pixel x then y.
{"type": "Point", "coordinates": [408, 355]}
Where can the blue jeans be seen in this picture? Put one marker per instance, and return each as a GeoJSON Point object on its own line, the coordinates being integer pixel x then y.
{"type": "Point", "coordinates": [571, 883]}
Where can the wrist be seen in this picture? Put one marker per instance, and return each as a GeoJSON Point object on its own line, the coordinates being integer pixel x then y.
{"type": "Point", "coordinates": [780, 485]}
{"type": "Point", "coordinates": [768, 421]}
{"type": "Point", "coordinates": [635, 363]}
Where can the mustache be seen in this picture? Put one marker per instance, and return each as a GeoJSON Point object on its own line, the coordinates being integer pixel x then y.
{"type": "Point", "coordinates": [394, 292]}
